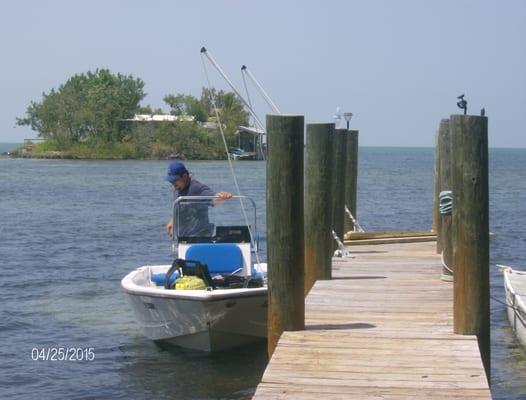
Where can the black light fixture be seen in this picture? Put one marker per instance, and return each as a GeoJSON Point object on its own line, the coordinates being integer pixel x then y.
{"type": "Point", "coordinates": [347, 116]}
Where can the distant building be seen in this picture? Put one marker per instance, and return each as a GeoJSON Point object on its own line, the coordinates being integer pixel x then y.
{"type": "Point", "coordinates": [27, 149]}
{"type": "Point", "coordinates": [210, 125]}
{"type": "Point", "coordinates": [252, 140]}
{"type": "Point", "coordinates": [145, 123]}
{"type": "Point", "coordinates": [160, 118]}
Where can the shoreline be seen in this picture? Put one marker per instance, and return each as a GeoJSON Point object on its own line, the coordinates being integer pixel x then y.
{"type": "Point", "coordinates": [73, 157]}
{"type": "Point", "coordinates": [18, 151]}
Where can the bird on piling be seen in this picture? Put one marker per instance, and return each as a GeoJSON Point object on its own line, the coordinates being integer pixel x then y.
{"type": "Point", "coordinates": [462, 103]}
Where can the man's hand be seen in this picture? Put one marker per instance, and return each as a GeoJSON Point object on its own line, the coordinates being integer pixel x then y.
{"type": "Point", "coordinates": [221, 197]}
{"type": "Point", "coordinates": [170, 227]}
{"type": "Point", "coordinates": [224, 195]}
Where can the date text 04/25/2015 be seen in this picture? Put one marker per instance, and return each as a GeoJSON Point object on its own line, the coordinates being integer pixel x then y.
{"type": "Point", "coordinates": [63, 354]}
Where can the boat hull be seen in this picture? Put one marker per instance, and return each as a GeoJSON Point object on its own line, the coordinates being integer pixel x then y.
{"type": "Point", "coordinates": [515, 285]}
{"type": "Point", "coordinates": [199, 319]}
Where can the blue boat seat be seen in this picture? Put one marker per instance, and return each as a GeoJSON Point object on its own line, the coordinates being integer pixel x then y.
{"type": "Point", "coordinates": [221, 258]}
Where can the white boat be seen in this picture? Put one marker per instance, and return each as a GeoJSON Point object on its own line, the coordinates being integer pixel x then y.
{"type": "Point", "coordinates": [232, 313]}
{"type": "Point", "coordinates": [515, 288]}
{"type": "Point", "coordinates": [235, 153]}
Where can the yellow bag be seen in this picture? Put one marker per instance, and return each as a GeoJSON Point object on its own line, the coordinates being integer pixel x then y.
{"type": "Point", "coordinates": [190, 282]}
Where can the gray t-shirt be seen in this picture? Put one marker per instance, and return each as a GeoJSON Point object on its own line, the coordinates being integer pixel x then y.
{"type": "Point", "coordinates": [192, 218]}
{"type": "Point", "coordinates": [195, 188]}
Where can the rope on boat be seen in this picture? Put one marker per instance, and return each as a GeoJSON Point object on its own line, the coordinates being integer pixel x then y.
{"type": "Point", "coordinates": [238, 190]}
{"type": "Point", "coordinates": [512, 306]}
{"type": "Point", "coordinates": [503, 268]}
{"type": "Point", "coordinates": [505, 304]}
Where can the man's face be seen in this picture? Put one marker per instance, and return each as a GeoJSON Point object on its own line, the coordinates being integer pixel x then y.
{"type": "Point", "coordinates": [181, 182]}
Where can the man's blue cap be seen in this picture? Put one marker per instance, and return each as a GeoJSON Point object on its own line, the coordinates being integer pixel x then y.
{"type": "Point", "coordinates": [175, 171]}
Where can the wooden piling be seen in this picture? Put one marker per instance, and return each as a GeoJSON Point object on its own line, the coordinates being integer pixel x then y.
{"type": "Point", "coordinates": [338, 182]}
{"type": "Point", "coordinates": [444, 231]}
{"type": "Point", "coordinates": [318, 217]}
{"type": "Point", "coordinates": [285, 235]}
{"type": "Point", "coordinates": [435, 226]}
{"type": "Point", "coordinates": [351, 177]}
{"type": "Point", "coordinates": [470, 229]}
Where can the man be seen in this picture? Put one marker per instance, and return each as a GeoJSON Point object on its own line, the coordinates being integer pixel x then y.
{"type": "Point", "coordinates": [193, 216]}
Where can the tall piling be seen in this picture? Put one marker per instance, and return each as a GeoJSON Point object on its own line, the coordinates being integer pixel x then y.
{"type": "Point", "coordinates": [351, 178]}
{"type": "Point", "coordinates": [470, 229]}
{"type": "Point", "coordinates": [444, 238]}
{"type": "Point", "coordinates": [285, 226]}
{"type": "Point", "coordinates": [435, 227]}
{"type": "Point", "coordinates": [318, 217]}
{"type": "Point", "coordinates": [338, 182]}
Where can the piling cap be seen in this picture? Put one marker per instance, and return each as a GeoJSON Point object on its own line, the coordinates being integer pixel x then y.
{"type": "Point", "coordinates": [175, 171]}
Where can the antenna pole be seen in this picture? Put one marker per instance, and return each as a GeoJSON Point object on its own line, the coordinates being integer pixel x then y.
{"type": "Point", "coordinates": [261, 91]}
{"type": "Point", "coordinates": [218, 68]}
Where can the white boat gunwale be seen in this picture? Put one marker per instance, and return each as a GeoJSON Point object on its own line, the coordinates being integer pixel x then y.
{"type": "Point", "coordinates": [517, 303]}
{"type": "Point", "coordinates": [198, 295]}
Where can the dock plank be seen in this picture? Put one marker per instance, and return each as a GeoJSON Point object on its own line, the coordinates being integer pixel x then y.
{"type": "Point", "coordinates": [381, 329]}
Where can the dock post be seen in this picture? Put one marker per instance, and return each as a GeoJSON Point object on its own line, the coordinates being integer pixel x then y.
{"type": "Point", "coordinates": [318, 217]}
{"type": "Point", "coordinates": [444, 231]}
{"type": "Point", "coordinates": [351, 177]}
{"type": "Point", "coordinates": [470, 228]}
{"type": "Point", "coordinates": [338, 183]}
{"type": "Point", "coordinates": [436, 222]}
{"type": "Point", "coordinates": [285, 224]}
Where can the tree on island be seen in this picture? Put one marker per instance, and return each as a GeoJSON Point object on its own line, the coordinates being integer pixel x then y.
{"type": "Point", "coordinates": [87, 106]}
{"type": "Point", "coordinates": [231, 110]}
{"type": "Point", "coordinates": [91, 116]}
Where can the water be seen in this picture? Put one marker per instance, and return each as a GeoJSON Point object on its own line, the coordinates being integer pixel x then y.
{"type": "Point", "coordinates": [70, 230]}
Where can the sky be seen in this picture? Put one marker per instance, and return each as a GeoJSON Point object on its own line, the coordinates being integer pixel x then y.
{"type": "Point", "coordinates": [398, 66]}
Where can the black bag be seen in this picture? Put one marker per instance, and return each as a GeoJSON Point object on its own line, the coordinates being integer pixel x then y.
{"type": "Point", "coordinates": [229, 281]}
{"type": "Point", "coordinates": [189, 268]}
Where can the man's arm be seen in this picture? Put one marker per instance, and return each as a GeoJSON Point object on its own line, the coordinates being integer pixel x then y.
{"type": "Point", "coordinates": [170, 227]}
{"type": "Point", "coordinates": [219, 197]}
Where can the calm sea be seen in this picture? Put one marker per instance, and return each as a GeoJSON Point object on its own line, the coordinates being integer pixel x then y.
{"type": "Point", "coordinates": [70, 230]}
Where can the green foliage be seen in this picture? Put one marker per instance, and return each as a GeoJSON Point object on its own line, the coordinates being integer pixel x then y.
{"type": "Point", "coordinates": [87, 106]}
{"type": "Point", "coordinates": [189, 140]}
{"type": "Point", "coordinates": [149, 110]}
{"type": "Point", "coordinates": [182, 104]}
{"type": "Point", "coordinates": [92, 149]}
{"type": "Point", "coordinates": [231, 110]}
{"type": "Point", "coordinates": [231, 113]}
{"type": "Point", "coordinates": [83, 118]}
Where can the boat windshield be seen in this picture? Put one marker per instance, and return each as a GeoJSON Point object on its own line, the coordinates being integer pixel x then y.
{"type": "Point", "coordinates": [205, 219]}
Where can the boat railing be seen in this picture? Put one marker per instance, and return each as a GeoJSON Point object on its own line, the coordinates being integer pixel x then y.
{"type": "Point", "coordinates": [200, 199]}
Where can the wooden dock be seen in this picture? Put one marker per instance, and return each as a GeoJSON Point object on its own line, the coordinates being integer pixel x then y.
{"type": "Point", "coordinates": [381, 329]}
